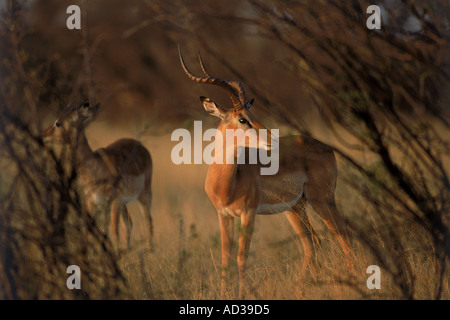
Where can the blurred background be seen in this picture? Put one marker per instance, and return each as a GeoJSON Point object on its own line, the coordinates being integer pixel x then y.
{"type": "Point", "coordinates": [379, 97]}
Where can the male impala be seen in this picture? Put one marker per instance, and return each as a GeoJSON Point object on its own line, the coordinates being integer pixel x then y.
{"type": "Point", "coordinates": [109, 177]}
{"type": "Point", "coordinates": [307, 172]}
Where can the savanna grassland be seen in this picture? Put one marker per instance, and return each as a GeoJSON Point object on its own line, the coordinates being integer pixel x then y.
{"type": "Point", "coordinates": [186, 261]}
{"type": "Point", "coordinates": [380, 98]}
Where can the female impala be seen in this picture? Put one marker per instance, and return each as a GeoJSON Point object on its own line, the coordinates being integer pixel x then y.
{"type": "Point", "coordinates": [109, 177]}
{"type": "Point", "coordinates": [307, 172]}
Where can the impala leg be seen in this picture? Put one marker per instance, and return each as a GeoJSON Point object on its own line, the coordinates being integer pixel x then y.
{"type": "Point", "coordinates": [335, 223]}
{"type": "Point", "coordinates": [114, 227]}
{"type": "Point", "coordinates": [226, 234]}
{"type": "Point", "coordinates": [300, 223]}
{"type": "Point", "coordinates": [146, 203]}
{"type": "Point", "coordinates": [325, 206]}
{"type": "Point", "coordinates": [127, 223]}
{"type": "Point", "coordinates": [247, 225]}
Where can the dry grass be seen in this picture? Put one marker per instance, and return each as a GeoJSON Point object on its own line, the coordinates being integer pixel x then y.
{"type": "Point", "coordinates": [393, 205]}
{"type": "Point", "coordinates": [185, 263]}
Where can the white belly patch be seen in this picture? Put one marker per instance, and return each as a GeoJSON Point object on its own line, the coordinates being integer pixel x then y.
{"type": "Point", "coordinates": [230, 213]}
{"type": "Point", "coordinates": [98, 200]}
{"type": "Point", "coordinates": [132, 188]}
{"type": "Point", "coordinates": [281, 193]}
{"type": "Point", "coordinates": [128, 190]}
{"type": "Point", "coordinates": [275, 208]}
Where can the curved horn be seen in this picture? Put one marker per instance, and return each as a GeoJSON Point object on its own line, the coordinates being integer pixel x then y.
{"type": "Point", "coordinates": [235, 84]}
{"type": "Point", "coordinates": [234, 91]}
{"type": "Point", "coordinates": [200, 60]}
{"type": "Point", "coordinates": [239, 87]}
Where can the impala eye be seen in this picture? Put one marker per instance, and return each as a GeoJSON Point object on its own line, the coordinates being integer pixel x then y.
{"type": "Point", "coordinates": [57, 124]}
{"type": "Point", "coordinates": [243, 120]}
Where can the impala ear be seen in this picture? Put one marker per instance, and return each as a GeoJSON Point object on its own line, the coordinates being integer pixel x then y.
{"type": "Point", "coordinates": [212, 108]}
{"type": "Point", "coordinates": [249, 104]}
{"type": "Point", "coordinates": [86, 112]}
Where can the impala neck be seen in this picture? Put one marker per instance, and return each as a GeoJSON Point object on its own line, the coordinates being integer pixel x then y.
{"type": "Point", "coordinates": [80, 147]}
{"type": "Point", "coordinates": [221, 182]}
{"type": "Point", "coordinates": [229, 181]}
